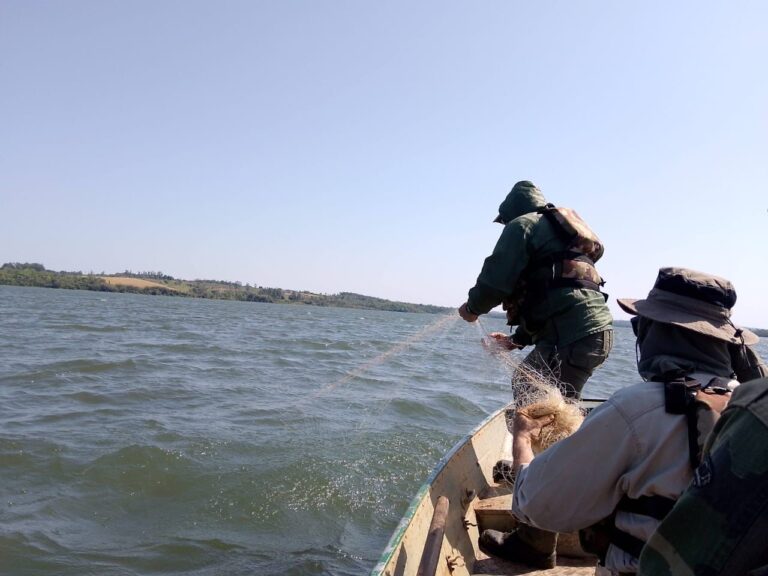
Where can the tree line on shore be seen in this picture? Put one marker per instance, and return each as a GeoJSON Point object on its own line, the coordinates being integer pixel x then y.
{"type": "Point", "coordinates": [157, 283]}
{"type": "Point", "coordinates": [33, 274]}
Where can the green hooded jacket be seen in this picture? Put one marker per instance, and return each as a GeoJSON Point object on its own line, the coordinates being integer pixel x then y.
{"type": "Point", "coordinates": [562, 315]}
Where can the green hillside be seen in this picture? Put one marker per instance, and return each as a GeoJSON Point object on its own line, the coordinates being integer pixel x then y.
{"type": "Point", "coordinates": [157, 283]}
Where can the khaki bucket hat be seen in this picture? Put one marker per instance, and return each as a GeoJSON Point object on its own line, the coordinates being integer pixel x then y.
{"type": "Point", "coordinates": [692, 300]}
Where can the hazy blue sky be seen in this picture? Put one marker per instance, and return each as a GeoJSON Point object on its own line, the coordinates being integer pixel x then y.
{"type": "Point", "coordinates": [365, 146]}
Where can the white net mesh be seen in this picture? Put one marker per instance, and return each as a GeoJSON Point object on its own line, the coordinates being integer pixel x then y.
{"type": "Point", "coordinates": [538, 393]}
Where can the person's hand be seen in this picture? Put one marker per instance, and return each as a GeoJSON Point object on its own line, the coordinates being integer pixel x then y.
{"type": "Point", "coordinates": [527, 427]}
{"type": "Point", "coordinates": [466, 314]}
{"type": "Point", "coordinates": [500, 341]}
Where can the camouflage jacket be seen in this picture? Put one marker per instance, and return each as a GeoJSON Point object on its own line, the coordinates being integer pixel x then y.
{"type": "Point", "coordinates": [719, 526]}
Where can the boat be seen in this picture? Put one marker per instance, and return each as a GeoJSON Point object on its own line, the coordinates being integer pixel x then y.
{"type": "Point", "coordinates": [463, 496]}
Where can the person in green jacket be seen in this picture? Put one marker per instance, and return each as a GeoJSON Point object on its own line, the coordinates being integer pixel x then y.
{"type": "Point", "coordinates": [542, 271]}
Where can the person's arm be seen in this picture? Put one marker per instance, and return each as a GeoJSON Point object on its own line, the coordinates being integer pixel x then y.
{"type": "Point", "coordinates": [498, 342]}
{"type": "Point", "coordinates": [579, 480]}
{"type": "Point", "coordinates": [466, 313]}
{"type": "Point", "coordinates": [502, 269]}
{"type": "Point", "coordinates": [525, 430]}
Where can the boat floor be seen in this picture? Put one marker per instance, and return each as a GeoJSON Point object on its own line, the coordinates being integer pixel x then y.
{"type": "Point", "coordinates": [488, 566]}
{"type": "Point", "coordinates": [493, 509]}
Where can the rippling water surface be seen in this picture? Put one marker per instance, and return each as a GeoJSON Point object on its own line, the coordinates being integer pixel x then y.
{"type": "Point", "coordinates": [152, 435]}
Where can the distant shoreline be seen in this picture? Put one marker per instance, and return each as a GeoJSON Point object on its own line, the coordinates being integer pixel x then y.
{"type": "Point", "coordinates": [159, 284]}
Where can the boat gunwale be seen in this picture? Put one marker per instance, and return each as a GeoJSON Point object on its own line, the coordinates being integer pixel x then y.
{"type": "Point", "coordinates": [405, 521]}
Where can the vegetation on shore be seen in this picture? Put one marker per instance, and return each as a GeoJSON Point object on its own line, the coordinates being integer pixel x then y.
{"type": "Point", "coordinates": [157, 283]}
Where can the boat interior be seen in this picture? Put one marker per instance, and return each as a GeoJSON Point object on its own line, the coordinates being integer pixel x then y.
{"type": "Point", "coordinates": [492, 511]}
{"type": "Point", "coordinates": [439, 535]}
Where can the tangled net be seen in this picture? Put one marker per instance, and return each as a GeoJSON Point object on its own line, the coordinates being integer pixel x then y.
{"type": "Point", "coordinates": [566, 417]}
{"type": "Point", "coordinates": [538, 393]}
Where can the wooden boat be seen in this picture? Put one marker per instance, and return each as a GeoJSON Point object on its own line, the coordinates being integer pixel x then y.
{"type": "Point", "coordinates": [438, 534]}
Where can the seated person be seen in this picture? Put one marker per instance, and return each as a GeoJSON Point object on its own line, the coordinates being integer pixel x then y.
{"type": "Point", "coordinates": [633, 454]}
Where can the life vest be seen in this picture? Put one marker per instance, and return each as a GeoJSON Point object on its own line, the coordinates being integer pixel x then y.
{"type": "Point", "coordinates": [702, 406]}
{"type": "Point", "coordinates": [573, 267]}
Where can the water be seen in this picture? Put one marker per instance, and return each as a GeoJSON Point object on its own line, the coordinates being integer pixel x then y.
{"type": "Point", "coordinates": [145, 435]}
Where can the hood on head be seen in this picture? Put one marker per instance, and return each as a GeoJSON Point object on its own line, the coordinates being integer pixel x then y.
{"type": "Point", "coordinates": [523, 199]}
{"type": "Point", "coordinates": [670, 351]}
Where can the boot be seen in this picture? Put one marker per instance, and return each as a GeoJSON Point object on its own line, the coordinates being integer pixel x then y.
{"type": "Point", "coordinates": [540, 553]}
{"type": "Point", "coordinates": [504, 471]}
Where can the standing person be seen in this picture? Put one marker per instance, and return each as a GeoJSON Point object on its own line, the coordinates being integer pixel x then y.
{"type": "Point", "coordinates": [543, 272]}
{"type": "Point", "coordinates": [719, 526]}
{"type": "Point", "coordinates": [616, 476]}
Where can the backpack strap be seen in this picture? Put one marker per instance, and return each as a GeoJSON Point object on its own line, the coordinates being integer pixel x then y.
{"type": "Point", "coordinates": [573, 267]}
{"type": "Point", "coordinates": [684, 396]}
{"type": "Point", "coordinates": [654, 506]}
{"type": "Point", "coordinates": [679, 396]}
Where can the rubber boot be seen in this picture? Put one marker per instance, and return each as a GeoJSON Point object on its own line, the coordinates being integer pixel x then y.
{"type": "Point", "coordinates": [524, 545]}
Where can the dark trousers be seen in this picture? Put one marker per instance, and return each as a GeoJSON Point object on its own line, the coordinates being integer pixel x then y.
{"type": "Point", "coordinates": [572, 365]}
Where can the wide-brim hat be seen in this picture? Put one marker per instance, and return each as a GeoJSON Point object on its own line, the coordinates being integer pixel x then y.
{"type": "Point", "coordinates": [692, 300]}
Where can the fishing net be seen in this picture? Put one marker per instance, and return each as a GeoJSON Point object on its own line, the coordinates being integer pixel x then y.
{"type": "Point", "coordinates": [539, 394]}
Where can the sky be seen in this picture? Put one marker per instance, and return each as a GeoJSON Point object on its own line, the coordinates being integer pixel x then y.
{"type": "Point", "coordinates": [365, 146]}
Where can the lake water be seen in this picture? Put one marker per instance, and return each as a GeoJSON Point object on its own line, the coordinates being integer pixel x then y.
{"type": "Point", "coordinates": [148, 435]}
